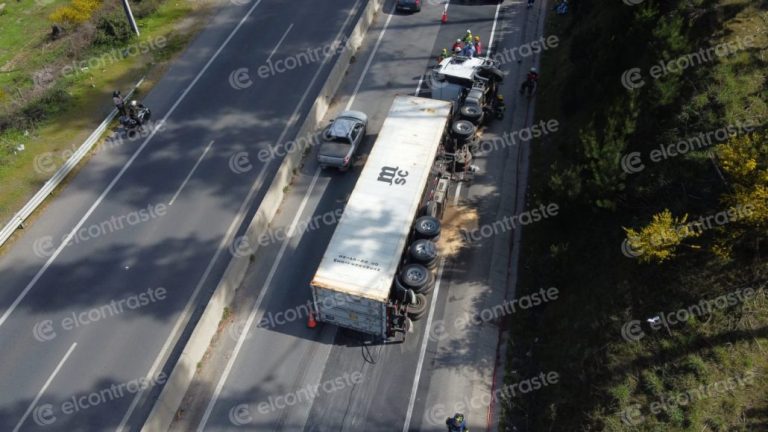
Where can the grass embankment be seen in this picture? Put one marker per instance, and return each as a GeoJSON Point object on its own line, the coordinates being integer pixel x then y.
{"type": "Point", "coordinates": [706, 372]}
{"type": "Point", "coordinates": [53, 93]}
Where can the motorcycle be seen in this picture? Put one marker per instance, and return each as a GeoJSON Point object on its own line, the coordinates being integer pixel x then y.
{"type": "Point", "coordinates": [138, 114]}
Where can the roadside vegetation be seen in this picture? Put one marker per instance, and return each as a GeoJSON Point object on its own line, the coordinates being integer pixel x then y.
{"type": "Point", "coordinates": [59, 62]}
{"type": "Point", "coordinates": [639, 237]}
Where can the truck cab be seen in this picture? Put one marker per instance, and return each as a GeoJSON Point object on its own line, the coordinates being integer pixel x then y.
{"type": "Point", "coordinates": [466, 82]}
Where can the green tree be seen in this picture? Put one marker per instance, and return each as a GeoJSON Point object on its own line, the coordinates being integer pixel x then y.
{"type": "Point", "coordinates": [744, 161]}
{"type": "Point", "coordinates": [658, 241]}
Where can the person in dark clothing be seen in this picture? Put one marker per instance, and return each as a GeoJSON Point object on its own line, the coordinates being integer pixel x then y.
{"type": "Point", "coordinates": [531, 81]}
{"type": "Point", "coordinates": [457, 423]}
{"type": "Point", "coordinates": [117, 99]}
{"type": "Point", "coordinates": [469, 50]}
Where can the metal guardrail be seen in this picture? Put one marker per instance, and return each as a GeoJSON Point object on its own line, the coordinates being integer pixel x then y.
{"type": "Point", "coordinates": [17, 221]}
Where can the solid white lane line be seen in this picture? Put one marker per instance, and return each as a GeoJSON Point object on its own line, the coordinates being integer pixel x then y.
{"type": "Point", "coordinates": [254, 311]}
{"type": "Point", "coordinates": [493, 29]}
{"type": "Point", "coordinates": [192, 299]}
{"type": "Point", "coordinates": [424, 343]}
{"type": "Point", "coordinates": [370, 59]}
{"type": "Point", "coordinates": [227, 238]}
{"type": "Point", "coordinates": [262, 294]}
{"type": "Point", "coordinates": [252, 316]}
{"type": "Point", "coordinates": [278, 43]}
{"type": "Point", "coordinates": [222, 245]}
{"type": "Point", "coordinates": [45, 387]}
{"type": "Point", "coordinates": [418, 87]}
{"type": "Point", "coordinates": [257, 305]}
{"type": "Point", "coordinates": [184, 183]}
{"type": "Point", "coordinates": [122, 171]}
{"type": "Point", "coordinates": [421, 79]}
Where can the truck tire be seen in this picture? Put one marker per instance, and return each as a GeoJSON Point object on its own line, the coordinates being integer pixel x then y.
{"type": "Point", "coordinates": [417, 310]}
{"type": "Point", "coordinates": [430, 285]}
{"type": "Point", "coordinates": [423, 252]}
{"type": "Point", "coordinates": [402, 289]}
{"type": "Point", "coordinates": [414, 276]}
{"type": "Point", "coordinates": [463, 130]}
{"type": "Point", "coordinates": [472, 113]}
{"type": "Point", "coordinates": [427, 227]}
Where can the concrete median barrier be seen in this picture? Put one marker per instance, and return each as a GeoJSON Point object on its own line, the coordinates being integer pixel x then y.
{"type": "Point", "coordinates": [170, 398]}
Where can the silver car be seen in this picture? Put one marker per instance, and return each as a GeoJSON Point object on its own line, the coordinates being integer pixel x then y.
{"type": "Point", "coordinates": [341, 139]}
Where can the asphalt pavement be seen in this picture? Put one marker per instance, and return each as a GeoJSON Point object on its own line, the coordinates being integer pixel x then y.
{"type": "Point", "coordinates": [276, 374]}
{"type": "Point", "coordinates": [88, 328]}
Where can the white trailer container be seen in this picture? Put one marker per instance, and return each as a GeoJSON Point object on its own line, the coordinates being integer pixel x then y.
{"type": "Point", "coordinates": [351, 287]}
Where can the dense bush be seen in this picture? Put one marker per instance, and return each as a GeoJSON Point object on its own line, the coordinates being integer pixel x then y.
{"type": "Point", "coordinates": [75, 13]}
{"type": "Point", "coordinates": [112, 29]}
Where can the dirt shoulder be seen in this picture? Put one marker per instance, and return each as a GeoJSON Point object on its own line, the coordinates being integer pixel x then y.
{"type": "Point", "coordinates": [50, 109]}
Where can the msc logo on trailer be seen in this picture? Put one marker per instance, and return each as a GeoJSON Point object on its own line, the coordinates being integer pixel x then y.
{"type": "Point", "coordinates": [391, 175]}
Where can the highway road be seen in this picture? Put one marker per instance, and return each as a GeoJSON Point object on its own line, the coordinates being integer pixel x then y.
{"type": "Point", "coordinates": [87, 328]}
{"type": "Point", "coordinates": [270, 372]}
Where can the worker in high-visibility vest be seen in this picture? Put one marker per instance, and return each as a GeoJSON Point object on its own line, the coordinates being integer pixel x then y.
{"type": "Point", "coordinates": [468, 36]}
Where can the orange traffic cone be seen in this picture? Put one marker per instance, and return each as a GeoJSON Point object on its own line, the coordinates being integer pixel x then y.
{"type": "Point", "coordinates": [311, 323]}
{"type": "Point", "coordinates": [444, 18]}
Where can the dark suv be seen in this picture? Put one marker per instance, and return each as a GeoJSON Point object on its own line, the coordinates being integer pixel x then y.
{"type": "Point", "coordinates": [409, 5]}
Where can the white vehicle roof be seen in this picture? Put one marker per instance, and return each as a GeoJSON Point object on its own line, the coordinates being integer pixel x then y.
{"type": "Point", "coordinates": [364, 252]}
{"type": "Point", "coordinates": [461, 67]}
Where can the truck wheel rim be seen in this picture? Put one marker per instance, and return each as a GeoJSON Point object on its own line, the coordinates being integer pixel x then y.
{"type": "Point", "coordinates": [425, 251]}
{"type": "Point", "coordinates": [414, 274]}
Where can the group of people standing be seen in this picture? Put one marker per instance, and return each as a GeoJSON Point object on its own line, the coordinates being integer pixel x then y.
{"type": "Point", "coordinates": [469, 46]}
